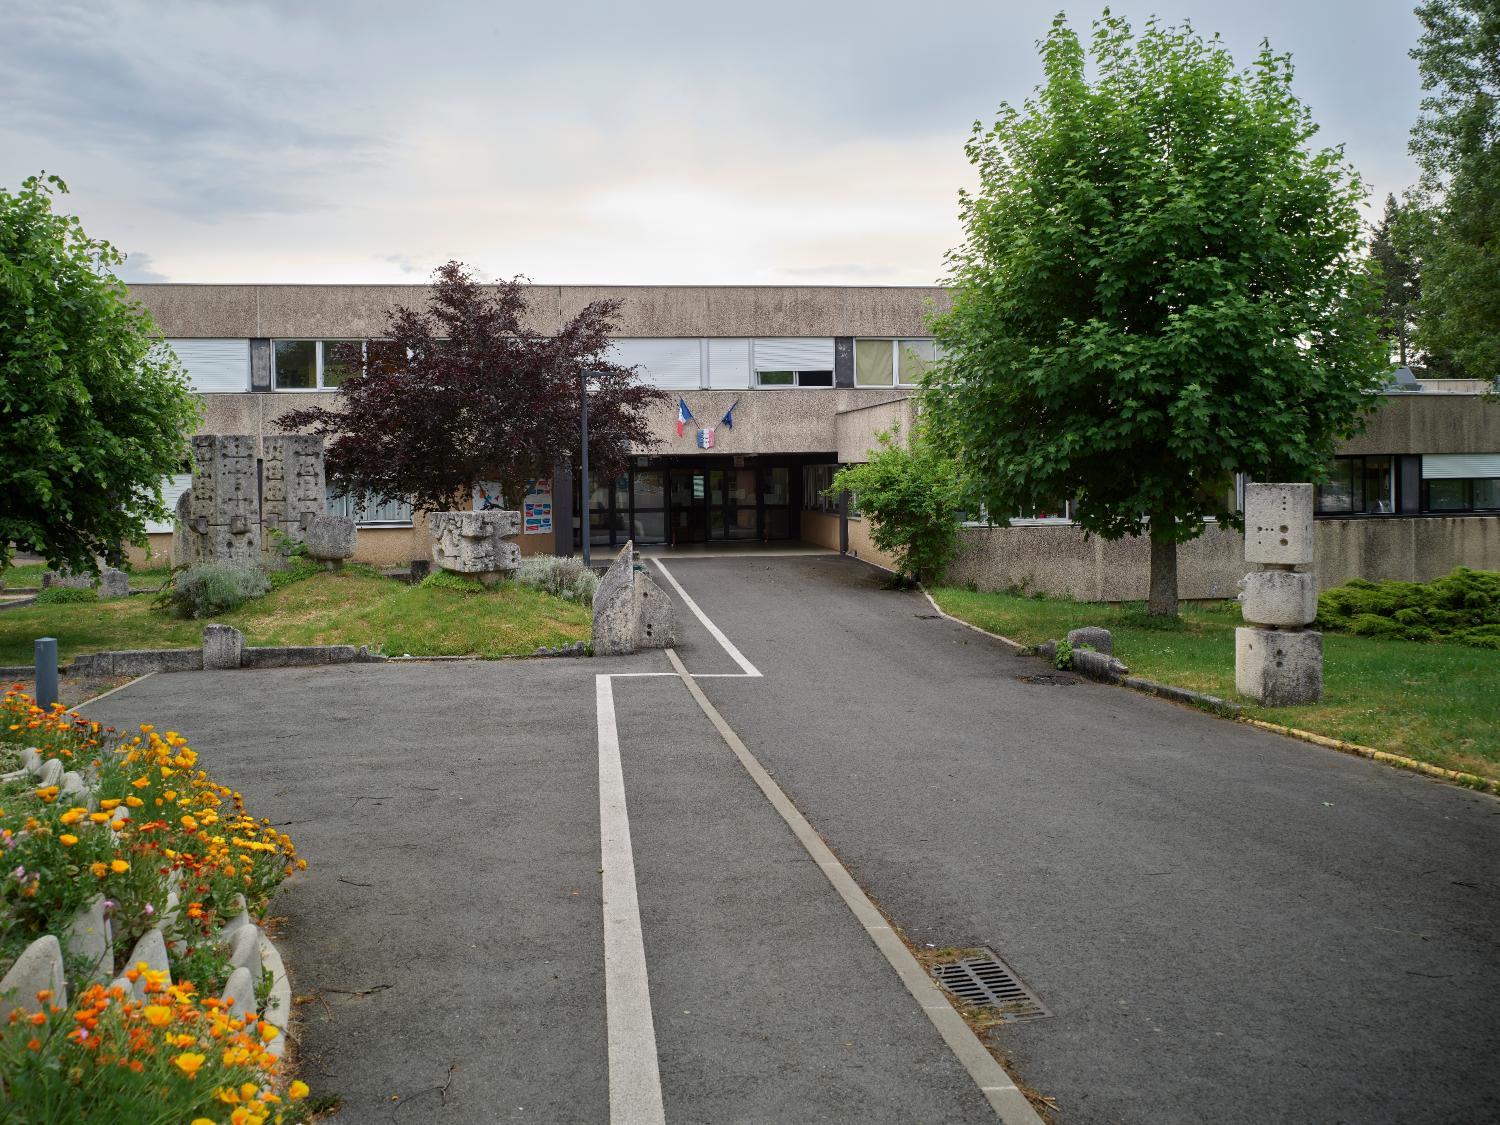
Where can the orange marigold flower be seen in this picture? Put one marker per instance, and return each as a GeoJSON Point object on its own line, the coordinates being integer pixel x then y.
{"type": "Point", "coordinates": [99, 869]}
{"type": "Point", "coordinates": [33, 1044]}
{"type": "Point", "coordinates": [134, 802]}
{"type": "Point", "coordinates": [141, 782]}
{"type": "Point", "coordinates": [297, 1090]}
{"type": "Point", "coordinates": [68, 839]}
{"type": "Point", "coordinates": [119, 866]}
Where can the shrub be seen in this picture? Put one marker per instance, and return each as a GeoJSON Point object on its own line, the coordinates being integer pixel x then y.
{"type": "Point", "coordinates": [560, 576]}
{"type": "Point", "coordinates": [447, 580]}
{"type": "Point", "coordinates": [1462, 607]}
{"type": "Point", "coordinates": [63, 595]}
{"type": "Point", "coordinates": [208, 589]}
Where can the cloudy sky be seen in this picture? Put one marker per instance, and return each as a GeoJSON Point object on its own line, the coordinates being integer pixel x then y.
{"type": "Point", "coordinates": [661, 141]}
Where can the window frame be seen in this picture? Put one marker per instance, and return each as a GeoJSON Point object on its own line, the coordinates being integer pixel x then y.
{"type": "Point", "coordinates": [796, 383]}
{"type": "Point", "coordinates": [895, 342]}
{"type": "Point", "coordinates": [318, 362]}
{"type": "Point", "coordinates": [1356, 461]}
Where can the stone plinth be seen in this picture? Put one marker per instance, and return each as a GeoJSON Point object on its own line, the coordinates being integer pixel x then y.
{"type": "Point", "coordinates": [1280, 597]}
{"type": "Point", "coordinates": [223, 647]}
{"type": "Point", "coordinates": [1277, 667]}
{"type": "Point", "coordinates": [1279, 524]}
{"type": "Point", "coordinates": [330, 538]}
{"type": "Point", "coordinates": [476, 543]}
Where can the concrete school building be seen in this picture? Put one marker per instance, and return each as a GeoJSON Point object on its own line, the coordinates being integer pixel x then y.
{"type": "Point", "coordinates": [775, 386]}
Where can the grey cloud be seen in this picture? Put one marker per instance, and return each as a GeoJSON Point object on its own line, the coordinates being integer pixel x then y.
{"type": "Point", "coordinates": [137, 267]}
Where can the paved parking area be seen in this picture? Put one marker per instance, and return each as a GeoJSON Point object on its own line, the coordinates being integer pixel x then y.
{"type": "Point", "coordinates": [1229, 926]}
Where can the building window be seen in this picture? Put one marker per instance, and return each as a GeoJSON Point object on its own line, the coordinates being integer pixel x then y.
{"type": "Point", "coordinates": [1461, 482]}
{"type": "Point", "coordinates": [374, 512]}
{"type": "Point", "coordinates": [816, 479]}
{"type": "Point", "coordinates": [310, 365]}
{"type": "Point", "coordinates": [794, 378]}
{"type": "Point", "coordinates": [885, 363]}
{"type": "Point", "coordinates": [1358, 486]}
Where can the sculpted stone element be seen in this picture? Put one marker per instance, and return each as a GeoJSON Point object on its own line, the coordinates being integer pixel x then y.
{"type": "Point", "coordinates": [293, 482]}
{"type": "Point", "coordinates": [630, 611]}
{"type": "Point", "coordinates": [330, 538]}
{"type": "Point", "coordinates": [1278, 668]}
{"type": "Point", "coordinates": [223, 506]}
{"type": "Point", "coordinates": [476, 543]}
{"type": "Point", "coordinates": [1276, 661]}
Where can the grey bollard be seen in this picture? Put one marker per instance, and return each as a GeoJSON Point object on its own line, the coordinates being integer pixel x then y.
{"type": "Point", "coordinates": [46, 672]}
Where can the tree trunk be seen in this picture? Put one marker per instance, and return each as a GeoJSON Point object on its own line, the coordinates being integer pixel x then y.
{"type": "Point", "coordinates": [1163, 598]}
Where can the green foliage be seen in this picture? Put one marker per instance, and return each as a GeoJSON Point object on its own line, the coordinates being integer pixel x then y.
{"type": "Point", "coordinates": [562, 577]}
{"type": "Point", "coordinates": [1457, 142]}
{"type": "Point", "coordinates": [209, 589]}
{"type": "Point", "coordinates": [95, 411]}
{"type": "Point", "coordinates": [1463, 607]}
{"type": "Point", "coordinates": [456, 583]}
{"type": "Point", "coordinates": [1400, 280]}
{"type": "Point", "coordinates": [1062, 659]}
{"type": "Point", "coordinates": [913, 498]}
{"type": "Point", "coordinates": [61, 595]}
{"type": "Point", "coordinates": [298, 567]}
{"type": "Point", "coordinates": [1159, 287]}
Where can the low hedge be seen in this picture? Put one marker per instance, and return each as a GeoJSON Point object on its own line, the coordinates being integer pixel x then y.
{"type": "Point", "coordinates": [1462, 607]}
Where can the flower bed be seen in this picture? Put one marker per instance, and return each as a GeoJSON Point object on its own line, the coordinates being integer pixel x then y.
{"type": "Point", "coordinates": [122, 857]}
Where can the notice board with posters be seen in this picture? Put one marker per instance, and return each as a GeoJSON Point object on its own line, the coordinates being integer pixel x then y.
{"type": "Point", "coordinates": [536, 509]}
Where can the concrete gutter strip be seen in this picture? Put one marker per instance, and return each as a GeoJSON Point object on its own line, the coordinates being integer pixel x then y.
{"type": "Point", "coordinates": [1183, 695]}
{"type": "Point", "coordinates": [997, 1086]}
{"type": "Point", "coordinates": [1017, 645]}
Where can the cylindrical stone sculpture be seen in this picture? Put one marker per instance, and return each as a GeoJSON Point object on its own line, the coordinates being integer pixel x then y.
{"type": "Point", "coordinates": [1277, 660]}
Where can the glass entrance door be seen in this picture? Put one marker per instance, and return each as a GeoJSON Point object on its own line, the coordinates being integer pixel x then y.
{"type": "Point", "coordinates": [689, 513]}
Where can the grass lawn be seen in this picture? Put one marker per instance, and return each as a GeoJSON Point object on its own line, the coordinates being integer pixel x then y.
{"type": "Point", "coordinates": [355, 607]}
{"type": "Point", "coordinates": [30, 574]}
{"type": "Point", "coordinates": [1434, 702]}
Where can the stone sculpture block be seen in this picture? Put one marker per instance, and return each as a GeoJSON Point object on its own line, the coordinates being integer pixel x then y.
{"type": "Point", "coordinates": [89, 938]}
{"type": "Point", "coordinates": [655, 622]}
{"type": "Point", "coordinates": [1279, 524]}
{"type": "Point", "coordinates": [476, 542]}
{"type": "Point", "coordinates": [1100, 640]}
{"type": "Point", "coordinates": [330, 538]}
{"type": "Point", "coordinates": [223, 647]}
{"type": "Point", "coordinates": [1280, 597]}
{"type": "Point", "coordinates": [1278, 668]}
{"type": "Point", "coordinates": [294, 486]}
{"type": "Point", "coordinates": [39, 967]}
{"type": "Point", "coordinates": [218, 519]}
{"type": "Point", "coordinates": [616, 612]}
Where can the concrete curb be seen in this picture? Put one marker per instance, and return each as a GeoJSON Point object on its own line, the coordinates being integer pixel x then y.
{"type": "Point", "coordinates": [1467, 780]}
{"type": "Point", "coordinates": [959, 621]}
{"type": "Point", "coordinates": [1225, 707]}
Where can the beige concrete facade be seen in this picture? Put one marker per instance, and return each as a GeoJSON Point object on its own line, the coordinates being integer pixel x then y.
{"type": "Point", "coordinates": [1439, 423]}
{"type": "Point", "coordinates": [359, 311]}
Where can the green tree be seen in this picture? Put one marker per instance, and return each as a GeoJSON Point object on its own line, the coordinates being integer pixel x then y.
{"type": "Point", "coordinates": [1399, 276]}
{"type": "Point", "coordinates": [913, 500]}
{"type": "Point", "coordinates": [1161, 285]}
{"type": "Point", "coordinates": [1457, 142]}
{"type": "Point", "coordinates": [94, 411]}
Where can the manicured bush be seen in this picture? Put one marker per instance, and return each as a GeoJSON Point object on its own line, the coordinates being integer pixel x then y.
{"type": "Point", "coordinates": [208, 589]}
{"type": "Point", "coordinates": [1462, 607]}
{"type": "Point", "coordinates": [562, 577]}
{"type": "Point", "coordinates": [160, 823]}
{"type": "Point", "coordinates": [62, 595]}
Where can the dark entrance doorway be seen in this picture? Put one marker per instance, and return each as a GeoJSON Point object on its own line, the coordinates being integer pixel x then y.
{"type": "Point", "coordinates": [683, 500]}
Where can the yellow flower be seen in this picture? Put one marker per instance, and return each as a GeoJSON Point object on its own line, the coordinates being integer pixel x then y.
{"type": "Point", "coordinates": [247, 1090]}
{"type": "Point", "coordinates": [134, 802]}
{"type": "Point", "coordinates": [68, 839]}
{"type": "Point", "coordinates": [189, 823]}
{"type": "Point", "coordinates": [119, 866]}
{"type": "Point", "coordinates": [110, 805]}
{"type": "Point", "coordinates": [203, 1121]}
{"type": "Point", "coordinates": [98, 869]}
{"type": "Point", "coordinates": [298, 1089]}
{"type": "Point", "coordinates": [188, 1062]}
{"type": "Point", "coordinates": [141, 782]}
{"type": "Point", "coordinates": [268, 1031]}
{"type": "Point", "coordinates": [157, 1015]}
{"type": "Point", "coordinates": [73, 815]}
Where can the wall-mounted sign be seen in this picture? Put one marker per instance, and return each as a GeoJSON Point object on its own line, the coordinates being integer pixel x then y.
{"type": "Point", "coordinates": [487, 497]}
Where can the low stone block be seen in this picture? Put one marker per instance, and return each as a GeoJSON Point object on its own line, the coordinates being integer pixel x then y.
{"type": "Point", "coordinates": [88, 938]}
{"type": "Point", "coordinates": [1279, 597]}
{"type": "Point", "coordinates": [299, 656]}
{"type": "Point", "coordinates": [51, 578]}
{"type": "Point", "coordinates": [113, 583]}
{"type": "Point", "coordinates": [475, 542]}
{"type": "Point", "coordinates": [329, 538]}
{"type": "Point", "coordinates": [239, 991]}
{"type": "Point", "coordinates": [278, 1007]}
{"type": "Point", "coordinates": [1098, 665]}
{"type": "Point", "coordinates": [51, 773]}
{"type": "Point", "coordinates": [1278, 668]}
{"type": "Point", "coordinates": [223, 647]}
{"type": "Point", "coordinates": [615, 607]}
{"type": "Point", "coordinates": [39, 967]}
{"type": "Point", "coordinates": [244, 948]}
{"type": "Point", "coordinates": [656, 625]}
{"type": "Point", "coordinates": [1100, 640]}
{"type": "Point", "coordinates": [1279, 524]}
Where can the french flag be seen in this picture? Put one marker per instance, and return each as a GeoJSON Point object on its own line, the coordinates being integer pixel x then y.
{"type": "Point", "coordinates": [684, 415]}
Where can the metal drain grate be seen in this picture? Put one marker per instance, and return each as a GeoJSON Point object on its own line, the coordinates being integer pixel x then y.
{"type": "Point", "coordinates": [988, 981]}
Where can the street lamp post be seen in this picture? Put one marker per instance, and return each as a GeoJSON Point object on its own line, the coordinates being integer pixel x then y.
{"type": "Point", "coordinates": [583, 489]}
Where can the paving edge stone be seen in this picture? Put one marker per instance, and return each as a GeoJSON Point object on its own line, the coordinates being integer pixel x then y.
{"type": "Point", "coordinates": [1466, 780]}
{"type": "Point", "coordinates": [1213, 703]}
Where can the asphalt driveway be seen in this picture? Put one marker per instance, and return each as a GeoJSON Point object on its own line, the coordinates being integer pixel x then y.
{"type": "Point", "coordinates": [1230, 926]}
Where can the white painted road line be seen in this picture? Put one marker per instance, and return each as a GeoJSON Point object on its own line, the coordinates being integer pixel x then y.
{"type": "Point", "coordinates": [728, 646]}
{"type": "Point", "coordinates": [111, 691]}
{"type": "Point", "coordinates": [634, 1074]}
{"type": "Point", "coordinates": [997, 1086]}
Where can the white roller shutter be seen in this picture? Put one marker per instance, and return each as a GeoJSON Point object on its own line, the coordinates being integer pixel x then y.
{"type": "Point", "coordinates": [729, 363]}
{"type": "Point", "coordinates": [215, 365]}
{"type": "Point", "coordinates": [794, 353]}
{"type": "Point", "coordinates": [673, 364]}
{"type": "Point", "coordinates": [172, 489]}
{"type": "Point", "coordinates": [1460, 466]}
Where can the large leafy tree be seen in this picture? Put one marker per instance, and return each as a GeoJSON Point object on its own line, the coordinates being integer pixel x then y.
{"type": "Point", "coordinates": [1400, 280]}
{"type": "Point", "coordinates": [1457, 142]}
{"type": "Point", "coordinates": [94, 411]}
{"type": "Point", "coordinates": [1161, 285]}
{"type": "Point", "coordinates": [466, 391]}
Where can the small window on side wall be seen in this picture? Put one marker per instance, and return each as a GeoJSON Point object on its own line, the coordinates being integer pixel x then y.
{"type": "Point", "coordinates": [794, 378]}
{"type": "Point", "coordinates": [308, 365]}
{"type": "Point", "coordinates": [884, 363]}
